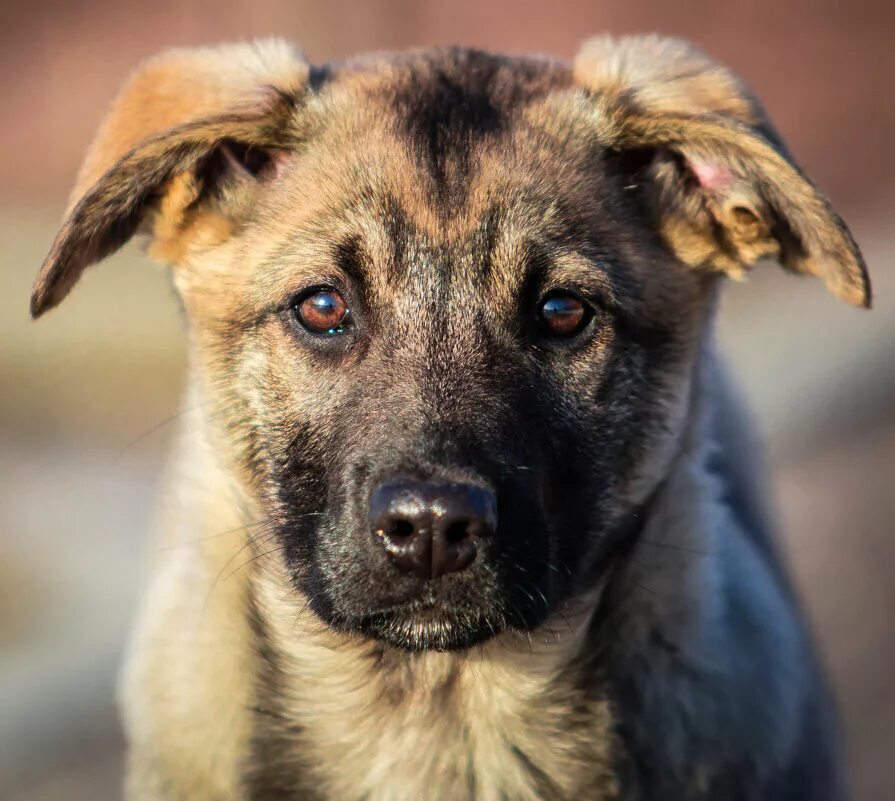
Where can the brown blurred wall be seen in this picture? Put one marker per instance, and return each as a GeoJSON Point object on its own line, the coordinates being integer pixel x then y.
{"type": "Point", "coordinates": [824, 69]}
{"type": "Point", "coordinates": [88, 396]}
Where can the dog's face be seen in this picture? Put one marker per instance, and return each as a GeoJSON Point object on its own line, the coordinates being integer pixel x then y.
{"type": "Point", "coordinates": [449, 317]}
{"type": "Point", "coordinates": [447, 308]}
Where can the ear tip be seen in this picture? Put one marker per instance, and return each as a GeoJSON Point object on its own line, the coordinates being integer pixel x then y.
{"type": "Point", "coordinates": [856, 289]}
{"type": "Point", "coordinates": [859, 298]}
{"type": "Point", "coordinates": [867, 300]}
{"type": "Point", "coordinates": [45, 294]}
{"type": "Point", "coordinates": [861, 284]}
{"type": "Point", "coordinates": [39, 303]}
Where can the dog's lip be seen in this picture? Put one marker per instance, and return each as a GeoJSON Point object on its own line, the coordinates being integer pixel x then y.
{"type": "Point", "coordinates": [420, 611]}
{"type": "Point", "coordinates": [429, 625]}
{"type": "Point", "coordinates": [427, 602]}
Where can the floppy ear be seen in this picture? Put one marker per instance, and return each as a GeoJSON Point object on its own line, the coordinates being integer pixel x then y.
{"type": "Point", "coordinates": [722, 188]}
{"type": "Point", "coordinates": [192, 133]}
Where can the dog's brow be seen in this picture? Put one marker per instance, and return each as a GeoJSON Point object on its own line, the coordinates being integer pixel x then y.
{"type": "Point", "coordinates": [485, 239]}
{"type": "Point", "coordinates": [575, 268]}
{"type": "Point", "coordinates": [365, 229]}
{"type": "Point", "coordinates": [349, 256]}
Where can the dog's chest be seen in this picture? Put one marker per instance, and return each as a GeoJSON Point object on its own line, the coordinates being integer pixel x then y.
{"type": "Point", "coordinates": [442, 730]}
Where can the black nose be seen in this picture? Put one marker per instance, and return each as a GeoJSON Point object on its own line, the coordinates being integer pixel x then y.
{"type": "Point", "coordinates": [430, 529]}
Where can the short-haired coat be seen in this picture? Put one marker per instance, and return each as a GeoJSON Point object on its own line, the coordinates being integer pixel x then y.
{"type": "Point", "coordinates": [463, 506]}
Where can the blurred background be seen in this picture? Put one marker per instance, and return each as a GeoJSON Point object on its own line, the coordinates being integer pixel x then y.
{"type": "Point", "coordinates": [88, 395]}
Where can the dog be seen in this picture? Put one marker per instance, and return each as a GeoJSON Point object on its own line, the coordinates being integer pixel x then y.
{"type": "Point", "coordinates": [464, 505]}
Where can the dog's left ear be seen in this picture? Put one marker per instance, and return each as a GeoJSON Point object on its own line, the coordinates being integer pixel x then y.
{"type": "Point", "coordinates": [190, 139]}
{"type": "Point", "coordinates": [722, 188]}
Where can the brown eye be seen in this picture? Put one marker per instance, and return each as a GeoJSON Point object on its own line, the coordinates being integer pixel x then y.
{"type": "Point", "coordinates": [323, 312]}
{"type": "Point", "coordinates": [563, 315]}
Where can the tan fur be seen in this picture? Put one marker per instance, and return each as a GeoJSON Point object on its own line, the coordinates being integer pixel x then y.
{"type": "Point", "coordinates": [186, 685]}
{"type": "Point", "coordinates": [184, 85]}
{"type": "Point", "coordinates": [358, 709]}
{"type": "Point", "coordinates": [189, 677]}
{"type": "Point", "coordinates": [187, 99]}
{"type": "Point", "coordinates": [660, 75]}
{"type": "Point", "coordinates": [656, 92]}
{"type": "Point", "coordinates": [434, 725]}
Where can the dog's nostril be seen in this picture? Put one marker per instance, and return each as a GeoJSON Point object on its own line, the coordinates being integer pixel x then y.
{"type": "Point", "coordinates": [458, 531]}
{"type": "Point", "coordinates": [401, 529]}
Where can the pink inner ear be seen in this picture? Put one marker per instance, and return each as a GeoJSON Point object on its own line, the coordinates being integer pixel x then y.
{"type": "Point", "coordinates": [279, 157]}
{"type": "Point", "coordinates": [265, 163]}
{"type": "Point", "coordinates": [712, 176]}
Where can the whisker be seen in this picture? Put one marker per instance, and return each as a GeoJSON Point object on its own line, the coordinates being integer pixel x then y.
{"type": "Point", "coordinates": [197, 540]}
{"type": "Point", "coordinates": [157, 427]}
{"type": "Point", "coordinates": [641, 586]}
{"type": "Point", "coordinates": [669, 546]}
{"type": "Point", "coordinates": [301, 612]}
{"type": "Point", "coordinates": [261, 537]}
{"type": "Point", "coordinates": [255, 559]}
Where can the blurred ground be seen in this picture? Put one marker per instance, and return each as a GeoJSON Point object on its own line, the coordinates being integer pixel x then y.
{"type": "Point", "coordinates": [88, 395]}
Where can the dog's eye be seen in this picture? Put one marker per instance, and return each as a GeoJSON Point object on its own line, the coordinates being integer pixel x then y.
{"type": "Point", "coordinates": [563, 315]}
{"type": "Point", "coordinates": [323, 311]}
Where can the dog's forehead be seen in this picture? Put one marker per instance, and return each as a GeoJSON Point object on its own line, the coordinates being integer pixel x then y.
{"type": "Point", "coordinates": [444, 161]}
{"type": "Point", "coordinates": [432, 127]}
{"type": "Point", "coordinates": [441, 91]}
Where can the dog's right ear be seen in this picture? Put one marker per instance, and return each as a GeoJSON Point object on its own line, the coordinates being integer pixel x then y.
{"type": "Point", "coordinates": [191, 134]}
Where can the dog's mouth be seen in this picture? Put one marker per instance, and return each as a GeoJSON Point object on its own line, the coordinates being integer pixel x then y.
{"type": "Point", "coordinates": [429, 624]}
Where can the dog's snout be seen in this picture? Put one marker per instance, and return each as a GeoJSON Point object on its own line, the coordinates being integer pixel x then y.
{"type": "Point", "coordinates": [430, 529]}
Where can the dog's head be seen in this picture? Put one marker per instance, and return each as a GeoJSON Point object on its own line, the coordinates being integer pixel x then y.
{"type": "Point", "coordinates": [446, 305]}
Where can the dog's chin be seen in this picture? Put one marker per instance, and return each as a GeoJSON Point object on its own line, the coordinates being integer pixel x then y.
{"type": "Point", "coordinates": [429, 629]}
